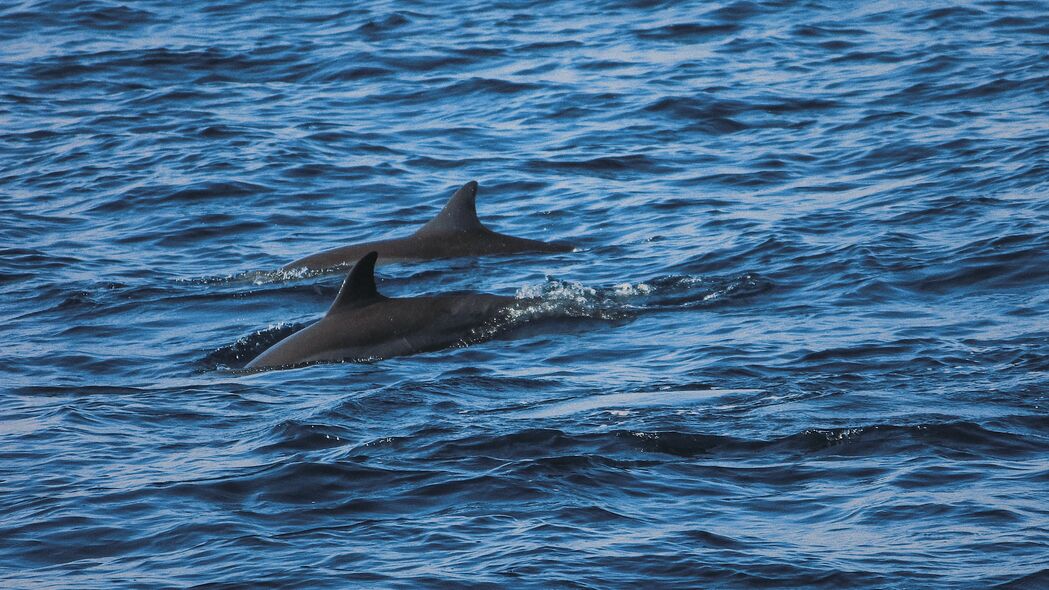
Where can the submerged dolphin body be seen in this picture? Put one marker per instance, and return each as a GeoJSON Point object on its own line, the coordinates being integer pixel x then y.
{"type": "Point", "coordinates": [362, 324]}
{"type": "Point", "coordinates": [455, 232]}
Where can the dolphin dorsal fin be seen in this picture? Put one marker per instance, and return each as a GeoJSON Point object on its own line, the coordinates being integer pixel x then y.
{"type": "Point", "coordinates": [359, 287]}
{"type": "Point", "coordinates": [459, 213]}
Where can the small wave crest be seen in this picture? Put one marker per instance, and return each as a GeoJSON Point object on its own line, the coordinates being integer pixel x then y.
{"type": "Point", "coordinates": [262, 277]}
{"type": "Point", "coordinates": [666, 293]}
{"type": "Point", "coordinates": [237, 354]}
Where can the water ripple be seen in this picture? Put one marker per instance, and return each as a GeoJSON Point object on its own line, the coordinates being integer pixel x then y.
{"type": "Point", "coordinates": [800, 343]}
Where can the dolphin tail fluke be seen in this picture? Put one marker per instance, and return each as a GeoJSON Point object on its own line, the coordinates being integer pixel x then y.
{"type": "Point", "coordinates": [359, 287]}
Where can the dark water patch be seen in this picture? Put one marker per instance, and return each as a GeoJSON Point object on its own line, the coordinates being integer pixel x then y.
{"type": "Point", "coordinates": [687, 32]}
{"type": "Point", "coordinates": [871, 56]}
{"type": "Point", "coordinates": [827, 30]}
{"type": "Point", "coordinates": [423, 62]}
{"type": "Point", "coordinates": [377, 27]}
{"type": "Point", "coordinates": [636, 163]}
{"type": "Point", "coordinates": [987, 264]}
{"type": "Point", "coordinates": [692, 108]}
{"type": "Point", "coordinates": [354, 73]}
{"type": "Point", "coordinates": [736, 11]}
{"type": "Point", "coordinates": [629, 449]}
{"type": "Point", "coordinates": [953, 16]}
{"type": "Point", "coordinates": [1028, 582]}
{"type": "Point", "coordinates": [205, 191]}
{"type": "Point", "coordinates": [118, 17]}
{"type": "Point", "coordinates": [540, 46]}
{"type": "Point", "coordinates": [486, 85]}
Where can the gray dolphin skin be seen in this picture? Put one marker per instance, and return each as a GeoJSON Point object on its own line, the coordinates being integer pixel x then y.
{"type": "Point", "coordinates": [455, 232]}
{"type": "Point", "coordinates": [363, 324]}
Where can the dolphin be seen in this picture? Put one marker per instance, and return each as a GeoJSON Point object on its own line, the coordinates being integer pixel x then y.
{"type": "Point", "coordinates": [363, 324]}
{"type": "Point", "coordinates": [455, 232]}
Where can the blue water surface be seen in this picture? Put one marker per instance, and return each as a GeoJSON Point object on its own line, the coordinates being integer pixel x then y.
{"type": "Point", "coordinates": [802, 341]}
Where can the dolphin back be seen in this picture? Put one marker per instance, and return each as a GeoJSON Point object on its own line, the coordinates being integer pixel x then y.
{"type": "Point", "coordinates": [454, 232]}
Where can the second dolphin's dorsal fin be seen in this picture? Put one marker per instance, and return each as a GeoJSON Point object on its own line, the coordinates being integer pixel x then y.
{"type": "Point", "coordinates": [459, 213]}
{"type": "Point", "coordinates": [359, 287]}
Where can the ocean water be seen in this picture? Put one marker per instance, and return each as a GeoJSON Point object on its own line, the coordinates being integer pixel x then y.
{"type": "Point", "coordinates": [802, 341]}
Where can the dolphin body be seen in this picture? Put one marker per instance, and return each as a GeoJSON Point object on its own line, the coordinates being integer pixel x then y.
{"type": "Point", "coordinates": [454, 232]}
{"type": "Point", "coordinates": [362, 324]}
